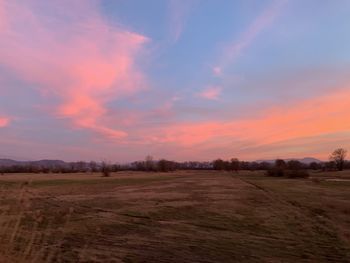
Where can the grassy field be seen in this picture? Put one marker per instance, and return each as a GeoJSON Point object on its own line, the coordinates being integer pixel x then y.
{"type": "Point", "coordinates": [187, 216]}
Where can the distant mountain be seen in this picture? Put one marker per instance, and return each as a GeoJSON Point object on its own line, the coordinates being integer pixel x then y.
{"type": "Point", "coordinates": [9, 162]}
{"type": "Point", "coordinates": [48, 163]}
{"type": "Point", "coordinates": [42, 163]}
{"type": "Point", "coordinates": [17, 158]}
{"type": "Point", "coordinates": [306, 160]}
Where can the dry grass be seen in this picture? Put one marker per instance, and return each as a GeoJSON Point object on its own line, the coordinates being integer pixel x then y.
{"type": "Point", "coordinates": [174, 217]}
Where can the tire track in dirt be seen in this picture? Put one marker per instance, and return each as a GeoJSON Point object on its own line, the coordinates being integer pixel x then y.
{"type": "Point", "coordinates": [322, 225]}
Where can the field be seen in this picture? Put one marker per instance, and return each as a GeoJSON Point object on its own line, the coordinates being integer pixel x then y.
{"type": "Point", "coordinates": [185, 216]}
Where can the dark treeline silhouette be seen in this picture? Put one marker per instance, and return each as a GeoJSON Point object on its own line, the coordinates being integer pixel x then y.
{"type": "Point", "coordinates": [278, 168]}
{"type": "Point", "coordinates": [236, 165]}
{"type": "Point", "coordinates": [291, 169]}
{"type": "Point", "coordinates": [167, 166]}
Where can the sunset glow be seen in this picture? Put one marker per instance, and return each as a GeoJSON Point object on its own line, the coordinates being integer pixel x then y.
{"type": "Point", "coordinates": [99, 79]}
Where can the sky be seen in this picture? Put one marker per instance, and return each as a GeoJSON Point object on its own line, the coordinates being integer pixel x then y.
{"type": "Point", "coordinates": [179, 79]}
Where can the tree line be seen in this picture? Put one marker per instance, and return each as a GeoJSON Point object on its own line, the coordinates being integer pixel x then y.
{"type": "Point", "coordinates": [336, 161]}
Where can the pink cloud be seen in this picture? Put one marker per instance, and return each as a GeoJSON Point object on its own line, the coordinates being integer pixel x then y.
{"type": "Point", "coordinates": [4, 121]}
{"type": "Point", "coordinates": [288, 124]}
{"type": "Point", "coordinates": [217, 71]}
{"type": "Point", "coordinates": [79, 59]}
{"type": "Point", "coordinates": [211, 93]}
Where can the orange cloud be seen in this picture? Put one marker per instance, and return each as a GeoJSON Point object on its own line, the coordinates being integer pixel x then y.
{"type": "Point", "coordinates": [79, 59]}
{"type": "Point", "coordinates": [322, 115]}
{"type": "Point", "coordinates": [319, 116]}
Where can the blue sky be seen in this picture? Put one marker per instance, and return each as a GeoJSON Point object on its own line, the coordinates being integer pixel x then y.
{"type": "Point", "coordinates": [195, 79]}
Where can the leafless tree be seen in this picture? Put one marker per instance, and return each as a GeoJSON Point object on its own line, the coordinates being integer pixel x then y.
{"type": "Point", "coordinates": [93, 166]}
{"type": "Point", "coordinates": [105, 169]}
{"type": "Point", "coordinates": [338, 156]}
{"type": "Point", "coordinates": [149, 163]}
{"type": "Point", "coordinates": [235, 164]}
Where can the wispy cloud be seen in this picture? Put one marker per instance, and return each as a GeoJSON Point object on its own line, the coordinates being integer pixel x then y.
{"type": "Point", "coordinates": [211, 93]}
{"type": "Point", "coordinates": [263, 21]}
{"type": "Point", "coordinates": [179, 12]}
{"type": "Point", "coordinates": [79, 59]}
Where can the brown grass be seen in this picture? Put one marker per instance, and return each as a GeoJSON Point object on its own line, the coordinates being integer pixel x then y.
{"type": "Point", "coordinates": [174, 217]}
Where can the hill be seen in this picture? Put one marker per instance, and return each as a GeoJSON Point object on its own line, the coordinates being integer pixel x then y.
{"type": "Point", "coordinates": [41, 163]}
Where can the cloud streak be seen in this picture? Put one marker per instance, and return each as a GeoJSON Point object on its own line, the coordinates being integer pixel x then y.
{"type": "Point", "coordinates": [263, 21]}
{"type": "Point", "coordinates": [319, 116]}
{"type": "Point", "coordinates": [179, 12]}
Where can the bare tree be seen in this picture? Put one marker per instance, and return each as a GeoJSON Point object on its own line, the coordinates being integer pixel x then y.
{"type": "Point", "coordinates": [165, 165]}
{"type": "Point", "coordinates": [235, 164]}
{"type": "Point", "coordinates": [149, 163]}
{"type": "Point", "coordinates": [93, 166]}
{"type": "Point", "coordinates": [338, 156]}
{"type": "Point", "coordinates": [280, 163]}
{"type": "Point", "coordinates": [105, 169]}
{"type": "Point", "coordinates": [219, 164]}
